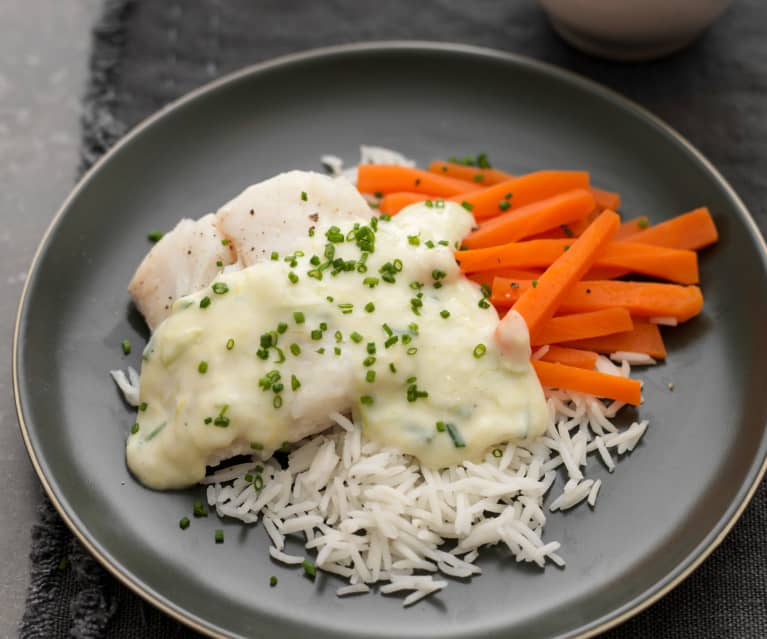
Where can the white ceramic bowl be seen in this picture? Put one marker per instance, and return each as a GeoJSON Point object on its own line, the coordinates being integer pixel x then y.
{"type": "Point", "coordinates": [632, 29]}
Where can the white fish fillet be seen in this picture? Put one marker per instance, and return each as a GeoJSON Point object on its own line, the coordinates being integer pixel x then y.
{"type": "Point", "coordinates": [182, 262]}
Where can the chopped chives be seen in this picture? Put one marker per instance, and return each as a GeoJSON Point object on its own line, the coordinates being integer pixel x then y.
{"type": "Point", "coordinates": [371, 348]}
{"type": "Point", "coordinates": [406, 339]}
{"type": "Point", "coordinates": [248, 477]}
{"type": "Point", "coordinates": [370, 376]}
{"type": "Point", "coordinates": [316, 334]}
{"type": "Point", "coordinates": [135, 428]}
{"type": "Point", "coordinates": [143, 406]}
{"type": "Point", "coordinates": [282, 327]}
{"type": "Point", "coordinates": [258, 483]}
{"type": "Point", "coordinates": [387, 329]}
{"type": "Point", "coordinates": [208, 420]}
{"type": "Point", "coordinates": [257, 446]}
{"type": "Point", "coordinates": [440, 427]}
{"type": "Point", "coordinates": [310, 570]}
{"type": "Point", "coordinates": [219, 288]}
{"type": "Point", "coordinates": [479, 350]}
{"type": "Point", "coordinates": [198, 510]}
{"type": "Point", "coordinates": [497, 452]}
{"type": "Point", "coordinates": [369, 361]}
{"type": "Point", "coordinates": [224, 242]}
{"type": "Point", "coordinates": [294, 383]}
{"type": "Point", "coordinates": [205, 302]}
{"type": "Point", "coordinates": [534, 283]}
{"type": "Point", "coordinates": [366, 399]}
{"type": "Point", "coordinates": [356, 337]}
{"type": "Point", "coordinates": [467, 205]}
{"type": "Point", "coordinates": [125, 345]}
{"type": "Point", "coordinates": [320, 350]}
{"type": "Point", "coordinates": [504, 205]}
{"type": "Point", "coordinates": [219, 536]}
{"type": "Point", "coordinates": [483, 303]}
{"type": "Point", "coordinates": [292, 277]}
{"type": "Point", "coordinates": [295, 349]}
{"type": "Point", "coordinates": [304, 197]}
{"type": "Point", "coordinates": [337, 351]}
{"type": "Point", "coordinates": [219, 263]}
{"type": "Point", "coordinates": [455, 435]}
{"type": "Point", "coordinates": [566, 230]}
{"type": "Point", "coordinates": [272, 581]}
{"type": "Point", "coordinates": [642, 223]}
{"type": "Point", "coordinates": [391, 341]}
{"type": "Point", "coordinates": [154, 236]}
{"type": "Point", "coordinates": [183, 523]}
{"type": "Point", "coordinates": [229, 344]}
{"type": "Point", "coordinates": [444, 314]}
{"type": "Point", "coordinates": [371, 282]}
{"type": "Point", "coordinates": [277, 401]}
{"type": "Point", "coordinates": [202, 367]}
{"type": "Point", "coordinates": [392, 367]}
{"type": "Point", "coordinates": [346, 308]}
{"type": "Point", "coordinates": [429, 244]}
{"type": "Point", "coordinates": [412, 350]}
{"type": "Point", "coordinates": [298, 317]}
{"type": "Point", "coordinates": [275, 256]}
{"type": "Point", "coordinates": [413, 240]}
{"type": "Point", "coordinates": [370, 307]}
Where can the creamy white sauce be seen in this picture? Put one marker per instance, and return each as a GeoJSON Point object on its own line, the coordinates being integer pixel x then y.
{"type": "Point", "coordinates": [478, 393]}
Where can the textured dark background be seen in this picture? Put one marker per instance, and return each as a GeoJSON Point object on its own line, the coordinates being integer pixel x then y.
{"type": "Point", "coordinates": [147, 53]}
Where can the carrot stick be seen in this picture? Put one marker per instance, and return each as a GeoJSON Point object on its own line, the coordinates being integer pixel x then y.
{"type": "Point", "coordinates": [493, 200]}
{"type": "Point", "coordinates": [539, 303]}
{"type": "Point", "coordinates": [641, 299]}
{"type": "Point", "coordinates": [393, 203]}
{"type": "Point", "coordinates": [485, 177]}
{"type": "Point", "coordinates": [606, 199]}
{"type": "Point", "coordinates": [655, 261]}
{"type": "Point", "coordinates": [571, 357]}
{"type": "Point", "coordinates": [567, 328]}
{"type": "Point", "coordinates": [487, 277]}
{"type": "Point", "coordinates": [643, 338]}
{"type": "Point", "coordinates": [385, 178]}
{"type": "Point", "coordinates": [691, 231]}
{"type": "Point", "coordinates": [622, 389]}
{"type": "Point", "coordinates": [632, 226]}
{"type": "Point", "coordinates": [533, 218]}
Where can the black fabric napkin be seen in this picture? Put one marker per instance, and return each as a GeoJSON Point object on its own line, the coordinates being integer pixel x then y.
{"type": "Point", "coordinates": [147, 53]}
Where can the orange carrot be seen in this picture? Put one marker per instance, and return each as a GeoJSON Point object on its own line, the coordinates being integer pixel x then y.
{"type": "Point", "coordinates": [491, 201]}
{"type": "Point", "coordinates": [385, 178]}
{"type": "Point", "coordinates": [533, 218]}
{"type": "Point", "coordinates": [641, 299]}
{"type": "Point", "coordinates": [644, 338]}
{"type": "Point", "coordinates": [487, 277]}
{"type": "Point", "coordinates": [606, 199]}
{"type": "Point", "coordinates": [632, 226]}
{"type": "Point", "coordinates": [393, 203]}
{"type": "Point", "coordinates": [567, 328]}
{"type": "Point", "coordinates": [485, 177]}
{"type": "Point", "coordinates": [539, 303]}
{"type": "Point", "coordinates": [564, 377]}
{"type": "Point", "coordinates": [655, 261]}
{"type": "Point", "coordinates": [571, 357]}
{"type": "Point", "coordinates": [692, 231]}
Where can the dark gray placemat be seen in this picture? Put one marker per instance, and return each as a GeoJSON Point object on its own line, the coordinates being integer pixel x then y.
{"type": "Point", "coordinates": [147, 53]}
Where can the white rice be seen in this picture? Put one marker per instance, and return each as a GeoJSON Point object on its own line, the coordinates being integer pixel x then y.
{"type": "Point", "coordinates": [371, 514]}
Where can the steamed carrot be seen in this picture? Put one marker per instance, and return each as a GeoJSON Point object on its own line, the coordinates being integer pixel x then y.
{"type": "Point", "coordinates": [567, 328]}
{"type": "Point", "coordinates": [513, 194]}
{"type": "Point", "coordinates": [691, 231]}
{"type": "Point", "coordinates": [571, 357]}
{"type": "Point", "coordinates": [539, 302]}
{"type": "Point", "coordinates": [386, 178]}
{"type": "Point", "coordinates": [641, 299]}
{"type": "Point", "coordinates": [485, 177]}
{"type": "Point", "coordinates": [393, 203]}
{"type": "Point", "coordinates": [643, 338]}
{"type": "Point", "coordinates": [606, 199]}
{"type": "Point", "coordinates": [632, 226]}
{"type": "Point", "coordinates": [655, 261]}
{"type": "Point", "coordinates": [487, 277]}
{"type": "Point", "coordinates": [564, 377]}
{"type": "Point", "coordinates": [533, 218]}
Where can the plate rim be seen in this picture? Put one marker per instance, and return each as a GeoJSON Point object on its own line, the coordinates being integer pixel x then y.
{"type": "Point", "coordinates": [186, 617]}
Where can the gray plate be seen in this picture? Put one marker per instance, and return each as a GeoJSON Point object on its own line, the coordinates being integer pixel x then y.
{"type": "Point", "coordinates": [668, 505]}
